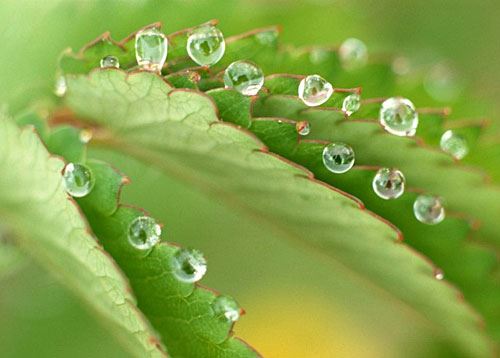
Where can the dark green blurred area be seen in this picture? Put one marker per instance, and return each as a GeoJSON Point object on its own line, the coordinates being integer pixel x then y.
{"type": "Point", "coordinates": [40, 318]}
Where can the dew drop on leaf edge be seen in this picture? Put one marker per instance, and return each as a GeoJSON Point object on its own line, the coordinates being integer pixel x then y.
{"type": "Point", "coordinates": [78, 180]}
{"type": "Point", "coordinates": [314, 90]}
{"type": "Point", "coordinates": [245, 77]}
{"type": "Point", "coordinates": [429, 209]}
{"type": "Point", "coordinates": [338, 157]}
{"type": "Point", "coordinates": [353, 54]}
{"type": "Point", "coordinates": [151, 48]}
{"type": "Point", "coordinates": [388, 183]}
{"type": "Point", "coordinates": [398, 116]}
{"type": "Point", "coordinates": [110, 62]}
{"type": "Point", "coordinates": [454, 144]}
{"type": "Point", "coordinates": [188, 265]}
{"type": "Point", "coordinates": [144, 233]}
{"type": "Point", "coordinates": [226, 308]}
{"type": "Point", "coordinates": [303, 128]}
{"type": "Point", "coordinates": [351, 104]}
{"type": "Point", "coordinates": [206, 45]}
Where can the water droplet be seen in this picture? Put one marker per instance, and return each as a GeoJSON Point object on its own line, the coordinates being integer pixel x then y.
{"type": "Point", "coordinates": [226, 308]}
{"type": "Point", "coordinates": [189, 265]}
{"type": "Point", "coordinates": [438, 274]}
{"type": "Point", "coordinates": [401, 66]}
{"type": "Point", "coordinates": [318, 55]}
{"type": "Point", "coordinates": [110, 61]}
{"type": "Point", "coordinates": [206, 45]}
{"type": "Point", "coordinates": [338, 157]}
{"type": "Point", "coordinates": [151, 47]}
{"type": "Point", "coordinates": [398, 116]}
{"type": "Point", "coordinates": [303, 128]}
{"type": "Point", "coordinates": [245, 77]}
{"type": "Point", "coordinates": [60, 86]}
{"type": "Point", "coordinates": [351, 104]}
{"type": "Point", "coordinates": [454, 144]}
{"type": "Point", "coordinates": [314, 90]}
{"type": "Point", "coordinates": [86, 135]}
{"type": "Point", "coordinates": [353, 53]}
{"type": "Point", "coordinates": [429, 209]}
{"type": "Point", "coordinates": [443, 82]}
{"type": "Point", "coordinates": [389, 183]}
{"type": "Point", "coordinates": [267, 38]}
{"type": "Point", "coordinates": [78, 180]}
{"type": "Point", "coordinates": [144, 233]}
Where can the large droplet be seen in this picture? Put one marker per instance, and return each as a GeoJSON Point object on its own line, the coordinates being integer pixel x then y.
{"type": "Point", "coordinates": [245, 77]}
{"type": "Point", "coordinates": [78, 180]}
{"type": "Point", "coordinates": [226, 308]}
{"type": "Point", "coordinates": [188, 265]}
{"type": "Point", "coordinates": [110, 62]}
{"type": "Point", "coordinates": [151, 48]}
{"type": "Point", "coordinates": [351, 104]}
{"type": "Point", "coordinates": [398, 116]}
{"type": "Point", "coordinates": [206, 45]}
{"type": "Point", "coordinates": [60, 86]}
{"type": "Point", "coordinates": [454, 144]}
{"type": "Point", "coordinates": [429, 209]}
{"type": "Point", "coordinates": [303, 128]}
{"type": "Point", "coordinates": [144, 233]}
{"type": "Point", "coordinates": [389, 183]}
{"type": "Point", "coordinates": [338, 157]}
{"type": "Point", "coordinates": [314, 90]}
{"type": "Point", "coordinates": [353, 53]}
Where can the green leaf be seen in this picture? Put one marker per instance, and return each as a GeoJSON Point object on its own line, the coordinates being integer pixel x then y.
{"type": "Point", "coordinates": [48, 226]}
{"type": "Point", "coordinates": [178, 132]}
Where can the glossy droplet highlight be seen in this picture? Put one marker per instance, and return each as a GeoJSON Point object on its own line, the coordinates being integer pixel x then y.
{"type": "Point", "coordinates": [245, 77]}
{"type": "Point", "coordinates": [338, 157]}
{"type": "Point", "coordinates": [206, 45]}
{"type": "Point", "coordinates": [188, 265]}
{"type": "Point", "coordinates": [353, 53]}
{"type": "Point", "coordinates": [454, 144]}
{"type": "Point", "coordinates": [398, 116]}
{"type": "Point", "coordinates": [314, 90]}
{"type": "Point", "coordinates": [60, 86]}
{"type": "Point", "coordinates": [438, 274]}
{"type": "Point", "coordinates": [144, 233]}
{"type": "Point", "coordinates": [110, 62]}
{"type": "Point", "coordinates": [388, 183]}
{"type": "Point", "coordinates": [226, 308]}
{"type": "Point", "coordinates": [351, 104]}
{"type": "Point", "coordinates": [303, 128]}
{"type": "Point", "coordinates": [429, 209]}
{"type": "Point", "coordinates": [151, 48]}
{"type": "Point", "coordinates": [78, 180]}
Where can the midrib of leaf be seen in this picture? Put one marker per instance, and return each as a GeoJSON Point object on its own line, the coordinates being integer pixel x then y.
{"type": "Point", "coordinates": [50, 228]}
{"type": "Point", "coordinates": [229, 166]}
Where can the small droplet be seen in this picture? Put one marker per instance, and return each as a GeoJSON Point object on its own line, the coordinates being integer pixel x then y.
{"type": "Point", "coordinates": [245, 77]}
{"type": "Point", "coordinates": [318, 55]}
{"type": "Point", "coordinates": [454, 144]}
{"type": "Point", "coordinates": [144, 233]}
{"type": "Point", "coordinates": [206, 45]}
{"type": "Point", "coordinates": [303, 128]}
{"type": "Point", "coordinates": [438, 274]}
{"type": "Point", "coordinates": [78, 180]}
{"type": "Point", "coordinates": [353, 53]}
{"type": "Point", "coordinates": [389, 183]}
{"type": "Point", "coordinates": [338, 157]}
{"type": "Point", "coordinates": [189, 265]}
{"type": "Point", "coordinates": [398, 116]}
{"type": "Point", "coordinates": [314, 90]}
{"type": "Point", "coordinates": [60, 86]}
{"type": "Point", "coordinates": [351, 104]}
{"type": "Point", "coordinates": [86, 135]}
{"type": "Point", "coordinates": [429, 209]}
{"type": "Point", "coordinates": [443, 83]}
{"type": "Point", "coordinates": [226, 308]}
{"type": "Point", "coordinates": [267, 38]}
{"type": "Point", "coordinates": [401, 66]}
{"type": "Point", "coordinates": [151, 47]}
{"type": "Point", "coordinates": [110, 61]}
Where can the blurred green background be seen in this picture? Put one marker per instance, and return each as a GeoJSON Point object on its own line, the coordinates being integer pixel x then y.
{"type": "Point", "coordinates": [288, 294]}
